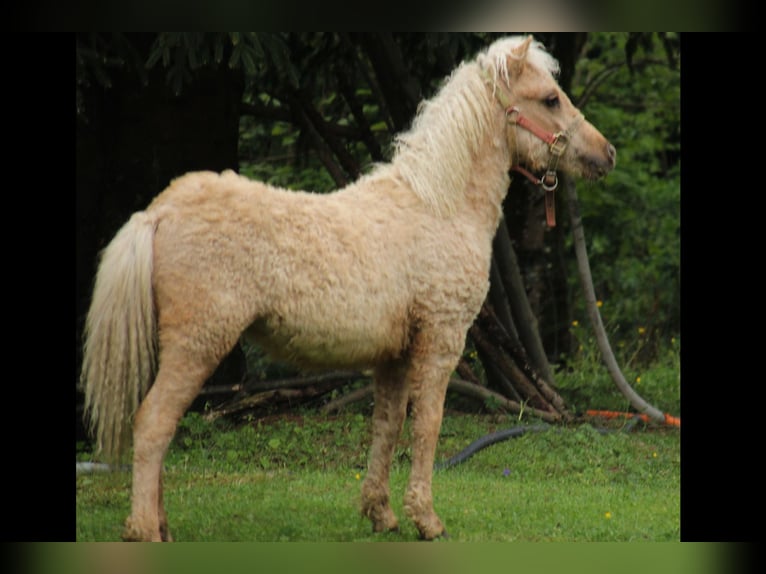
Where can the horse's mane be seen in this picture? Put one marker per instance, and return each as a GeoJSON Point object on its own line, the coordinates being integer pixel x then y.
{"type": "Point", "coordinates": [435, 156]}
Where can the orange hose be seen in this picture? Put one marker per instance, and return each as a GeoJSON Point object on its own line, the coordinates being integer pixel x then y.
{"type": "Point", "coordinates": [672, 421]}
{"type": "Point", "coordinates": [669, 420]}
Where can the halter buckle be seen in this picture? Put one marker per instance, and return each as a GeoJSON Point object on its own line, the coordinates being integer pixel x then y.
{"type": "Point", "coordinates": [559, 144]}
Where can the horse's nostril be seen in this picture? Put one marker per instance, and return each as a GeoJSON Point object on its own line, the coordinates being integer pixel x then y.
{"type": "Point", "coordinates": [611, 152]}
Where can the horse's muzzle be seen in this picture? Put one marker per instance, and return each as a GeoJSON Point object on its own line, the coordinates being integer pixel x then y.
{"type": "Point", "coordinates": [599, 166]}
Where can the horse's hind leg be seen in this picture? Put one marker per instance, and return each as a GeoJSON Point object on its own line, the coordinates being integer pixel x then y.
{"type": "Point", "coordinates": [178, 381]}
{"type": "Point", "coordinates": [387, 419]}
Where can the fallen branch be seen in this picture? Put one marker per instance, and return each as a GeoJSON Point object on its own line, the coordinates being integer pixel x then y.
{"type": "Point", "coordinates": [308, 390]}
{"type": "Point", "coordinates": [253, 385]}
{"type": "Point", "coordinates": [484, 394]}
{"type": "Point", "coordinates": [255, 393]}
{"type": "Point", "coordinates": [252, 401]}
{"type": "Point", "coordinates": [348, 398]}
{"type": "Point", "coordinates": [463, 387]}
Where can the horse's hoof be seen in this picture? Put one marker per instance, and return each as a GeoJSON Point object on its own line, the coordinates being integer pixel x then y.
{"type": "Point", "coordinates": [438, 536]}
{"type": "Point", "coordinates": [382, 517]}
{"type": "Point", "coordinates": [131, 533]}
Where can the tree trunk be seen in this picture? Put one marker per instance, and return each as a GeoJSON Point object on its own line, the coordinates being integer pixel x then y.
{"type": "Point", "coordinates": [522, 311]}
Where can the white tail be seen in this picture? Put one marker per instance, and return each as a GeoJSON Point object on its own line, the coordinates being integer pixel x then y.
{"type": "Point", "coordinates": [119, 358]}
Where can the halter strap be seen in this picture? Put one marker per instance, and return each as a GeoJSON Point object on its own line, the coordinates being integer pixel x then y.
{"type": "Point", "coordinates": [546, 136]}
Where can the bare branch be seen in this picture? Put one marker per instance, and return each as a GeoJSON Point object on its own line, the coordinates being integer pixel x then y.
{"type": "Point", "coordinates": [484, 394]}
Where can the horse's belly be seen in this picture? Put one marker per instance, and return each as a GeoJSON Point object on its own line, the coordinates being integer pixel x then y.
{"type": "Point", "coordinates": [337, 342]}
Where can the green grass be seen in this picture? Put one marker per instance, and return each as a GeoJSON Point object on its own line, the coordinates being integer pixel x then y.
{"type": "Point", "coordinates": [298, 479]}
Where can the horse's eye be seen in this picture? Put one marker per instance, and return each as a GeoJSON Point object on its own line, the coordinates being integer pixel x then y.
{"type": "Point", "coordinates": [552, 102]}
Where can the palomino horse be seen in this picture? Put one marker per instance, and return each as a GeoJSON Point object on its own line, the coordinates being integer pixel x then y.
{"type": "Point", "coordinates": [387, 273]}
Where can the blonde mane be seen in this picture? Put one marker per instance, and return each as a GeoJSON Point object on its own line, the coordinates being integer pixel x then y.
{"type": "Point", "coordinates": [436, 155]}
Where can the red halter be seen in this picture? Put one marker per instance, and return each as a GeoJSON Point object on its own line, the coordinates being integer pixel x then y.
{"type": "Point", "coordinates": [557, 143]}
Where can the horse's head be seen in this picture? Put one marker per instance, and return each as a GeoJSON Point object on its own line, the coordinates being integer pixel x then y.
{"type": "Point", "coordinates": [546, 132]}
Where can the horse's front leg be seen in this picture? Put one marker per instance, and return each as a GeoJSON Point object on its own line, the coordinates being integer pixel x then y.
{"type": "Point", "coordinates": [387, 419]}
{"type": "Point", "coordinates": [428, 387]}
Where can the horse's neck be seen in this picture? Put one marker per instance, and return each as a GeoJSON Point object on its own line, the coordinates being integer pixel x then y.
{"type": "Point", "coordinates": [488, 181]}
{"type": "Point", "coordinates": [474, 194]}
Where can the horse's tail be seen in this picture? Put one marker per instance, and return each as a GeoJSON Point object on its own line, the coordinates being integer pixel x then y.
{"type": "Point", "coordinates": [120, 349]}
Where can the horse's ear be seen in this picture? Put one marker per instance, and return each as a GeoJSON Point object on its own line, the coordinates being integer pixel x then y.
{"type": "Point", "coordinates": [519, 56]}
{"type": "Point", "coordinates": [520, 51]}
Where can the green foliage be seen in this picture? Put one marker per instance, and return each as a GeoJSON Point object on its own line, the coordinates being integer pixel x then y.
{"type": "Point", "coordinates": [181, 53]}
{"type": "Point", "coordinates": [311, 178]}
{"type": "Point", "coordinates": [632, 219]}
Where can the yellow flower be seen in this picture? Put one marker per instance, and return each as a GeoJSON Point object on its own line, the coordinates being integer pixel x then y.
{"type": "Point", "coordinates": [638, 379]}
{"type": "Point", "coordinates": [654, 454]}
{"type": "Point", "coordinates": [608, 515]}
{"type": "Point", "coordinates": [641, 330]}
{"type": "Point", "coordinates": [358, 476]}
{"type": "Point", "coordinates": [575, 323]}
{"type": "Point", "coordinates": [599, 303]}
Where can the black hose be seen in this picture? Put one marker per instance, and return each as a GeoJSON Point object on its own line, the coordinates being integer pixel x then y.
{"type": "Point", "coordinates": [514, 432]}
{"type": "Point", "coordinates": [486, 441]}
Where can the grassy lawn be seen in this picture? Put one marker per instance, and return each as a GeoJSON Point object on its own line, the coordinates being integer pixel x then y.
{"type": "Point", "coordinates": [298, 478]}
